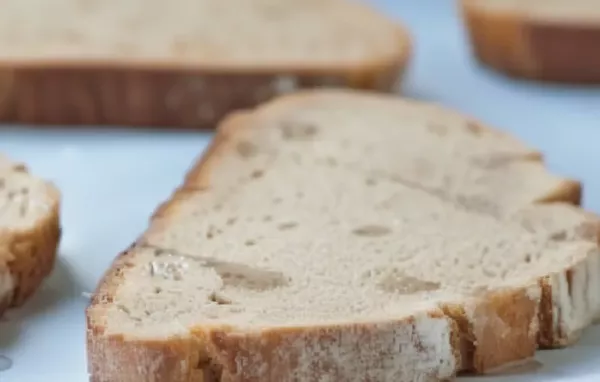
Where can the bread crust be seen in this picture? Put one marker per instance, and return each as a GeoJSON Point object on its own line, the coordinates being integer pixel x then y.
{"type": "Point", "coordinates": [546, 50]}
{"type": "Point", "coordinates": [488, 331]}
{"type": "Point", "coordinates": [215, 354]}
{"type": "Point", "coordinates": [30, 254]}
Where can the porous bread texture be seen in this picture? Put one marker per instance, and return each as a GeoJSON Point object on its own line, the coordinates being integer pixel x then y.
{"type": "Point", "coordinates": [220, 34]}
{"type": "Point", "coordinates": [29, 232]}
{"type": "Point", "coordinates": [546, 40]}
{"type": "Point", "coordinates": [185, 63]}
{"type": "Point", "coordinates": [349, 236]}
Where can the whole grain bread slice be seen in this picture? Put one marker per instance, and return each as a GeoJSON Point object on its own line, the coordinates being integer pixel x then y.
{"type": "Point", "coordinates": [334, 235]}
{"type": "Point", "coordinates": [29, 232]}
{"type": "Point", "coordinates": [539, 39]}
{"type": "Point", "coordinates": [184, 63]}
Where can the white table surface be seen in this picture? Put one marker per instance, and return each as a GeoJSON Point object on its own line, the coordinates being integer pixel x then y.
{"type": "Point", "coordinates": [111, 181]}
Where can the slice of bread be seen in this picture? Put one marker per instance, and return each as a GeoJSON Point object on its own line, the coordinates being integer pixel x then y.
{"type": "Point", "coordinates": [29, 232]}
{"type": "Point", "coordinates": [552, 40]}
{"type": "Point", "coordinates": [184, 63]}
{"type": "Point", "coordinates": [345, 236]}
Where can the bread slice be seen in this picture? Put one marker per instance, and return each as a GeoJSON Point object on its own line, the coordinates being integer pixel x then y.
{"type": "Point", "coordinates": [29, 232]}
{"type": "Point", "coordinates": [550, 40]}
{"type": "Point", "coordinates": [346, 236]}
{"type": "Point", "coordinates": [184, 63]}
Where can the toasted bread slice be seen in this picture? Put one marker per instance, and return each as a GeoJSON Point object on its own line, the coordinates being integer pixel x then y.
{"type": "Point", "coordinates": [350, 237]}
{"type": "Point", "coordinates": [29, 232]}
{"type": "Point", "coordinates": [549, 40]}
{"type": "Point", "coordinates": [184, 63]}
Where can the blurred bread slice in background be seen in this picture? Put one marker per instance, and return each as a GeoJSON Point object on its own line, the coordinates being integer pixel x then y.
{"type": "Point", "coordinates": [184, 63]}
{"type": "Point", "coordinates": [551, 40]}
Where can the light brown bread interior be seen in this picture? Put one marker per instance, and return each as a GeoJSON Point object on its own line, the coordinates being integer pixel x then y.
{"type": "Point", "coordinates": [349, 236]}
{"type": "Point", "coordinates": [232, 34]}
{"type": "Point", "coordinates": [185, 63]}
{"type": "Point", "coordinates": [545, 40]}
{"type": "Point", "coordinates": [29, 232]}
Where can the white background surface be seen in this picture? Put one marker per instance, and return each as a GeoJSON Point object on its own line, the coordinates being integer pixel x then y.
{"type": "Point", "coordinates": [111, 181]}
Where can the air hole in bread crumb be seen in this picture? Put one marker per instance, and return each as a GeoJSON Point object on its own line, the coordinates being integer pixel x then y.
{"type": "Point", "coordinates": [372, 231]}
{"type": "Point", "coordinates": [559, 236]}
{"type": "Point", "coordinates": [231, 221]}
{"type": "Point", "coordinates": [299, 195]}
{"type": "Point", "coordinates": [286, 226]}
{"type": "Point", "coordinates": [296, 130]}
{"type": "Point", "coordinates": [370, 182]}
{"type": "Point", "coordinates": [212, 232]}
{"type": "Point", "coordinates": [474, 128]}
{"type": "Point", "coordinates": [249, 243]}
{"type": "Point", "coordinates": [246, 277]}
{"type": "Point", "coordinates": [489, 273]}
{"type": "Point", "coordinates": [246, 149]}
{"type": "Point", "coordinates": [277, 200]}
{"type": "Point", "coordinates": [494, 160]}
{"type": "Point", "coordinates": [157, 290]}
{"type": "Point", "coordinates": [330, 161]}
{"type": "Point", "coordinates": [395, 281]}
{"type": "Point", "coordinates": [2, 183]}
{"type": "Point", "coordinates": [528, 258]}
{"type": "Point", "coordinates": [257, 174]}
{"type": "Point", "coordinates": [267, 218]}
{"type": "Point", "coordinates": [437, 129]}
{"type": "Point", "coordinates": [219, 298]}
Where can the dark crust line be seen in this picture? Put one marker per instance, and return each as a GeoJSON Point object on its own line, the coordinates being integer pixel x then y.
{"type": "Point", "coordinates": [565, 53]}
{"type": "Point", "coordinates": [188, 99]}
{"type": "Point", "coordinates": [161, 361]}
{"type": "Point", "coordinates": [531, 49]}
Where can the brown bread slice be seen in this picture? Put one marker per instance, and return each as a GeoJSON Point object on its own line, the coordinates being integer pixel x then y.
{"type": "Point", "coordinates": [29, 232]}
{"type": "Point", "coordinates": [184, 63]}
{"type": "Point", "coordinates": [550, 40]}
{"type": "Point", "coordinates": [349, 236]}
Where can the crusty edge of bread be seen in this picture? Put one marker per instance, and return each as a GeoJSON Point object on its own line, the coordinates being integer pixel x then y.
{"type": "Point", "coordinates": [214, 354]}
{"type": "Point", "coordinates": [31, 253]}
{"type": "Point", "coordinates": [522, 47]}
{"type": "Point", "coordinates": [159, 96]}
{"type": "Point", "coordinates": [570, 303]}
{"type": "Point", "coordinates": [530, 313]}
